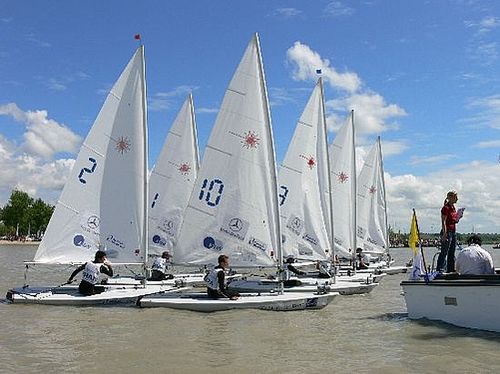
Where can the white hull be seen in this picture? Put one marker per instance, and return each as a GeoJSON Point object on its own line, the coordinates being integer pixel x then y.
{"type": "Point", "coordinates": [395, 270]}
{"type": "Point", "coordinates": [368, 277]}
{"type": "Point", "coordinates": [69, 295]}
{"type": "Point", "coordinates": [472, 303]}
{"type": "Point", "coordinates": [302, 285]}
{"type": "Point", "coordinates": [199, 302]}
{"type": "Point", "coordinates": [179, 279]}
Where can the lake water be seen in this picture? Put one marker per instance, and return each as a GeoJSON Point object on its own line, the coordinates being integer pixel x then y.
{"type": "Point", "coordinates": [360, 333]}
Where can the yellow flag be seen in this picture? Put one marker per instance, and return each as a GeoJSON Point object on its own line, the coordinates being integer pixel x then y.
{"type": "Point", "coordinates": [414, 234]}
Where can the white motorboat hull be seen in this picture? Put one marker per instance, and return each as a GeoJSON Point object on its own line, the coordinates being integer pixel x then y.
{"type": "Point", "coordinates": [199, 302]}
{"type": "Point", "coordinates": [302, 285]}
{"type": "Point", "coordinates": [472, 303]}
{"type": "Point", "coordinates": [69, 295]}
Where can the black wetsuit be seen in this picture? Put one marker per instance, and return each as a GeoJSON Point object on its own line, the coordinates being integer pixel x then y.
{"type": "Point", "coordinates": [87, 288]}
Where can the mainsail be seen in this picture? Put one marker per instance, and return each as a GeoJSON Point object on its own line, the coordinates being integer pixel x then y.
{"type": "Point", "coordinates": [372, 211]}
{"type": "Point", "coordinates": [233, 209]}
{"type": "Point", "coordinates": [343, 189]}
{"type": "Point", "coordinates": [304, 186]}
{"type": "Point", "coordinates": [102, 203]}
{"type": "Point", "coordinates": [172, 180]}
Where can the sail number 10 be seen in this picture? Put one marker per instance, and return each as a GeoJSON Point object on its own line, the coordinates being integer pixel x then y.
{"type": "Point", "coordinates": [211, 191]}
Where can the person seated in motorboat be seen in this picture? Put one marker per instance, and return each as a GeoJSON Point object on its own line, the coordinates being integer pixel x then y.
{"type": "Point", "coordinates": [361, 262]}
{"type": "Point", "coordinates": [289, 268]}
{"type": "Point", "coordinates": [215, 281]}
{"type": "Point", "coordinates": [90, 277]}
{"type": "Point", "coordinates": [159, 268]}
{"type": "Point", "coordinates": [474, 259]}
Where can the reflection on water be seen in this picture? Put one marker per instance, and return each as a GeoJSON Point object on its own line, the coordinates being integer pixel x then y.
{"type": "Point", "coordinates": [359, 333]}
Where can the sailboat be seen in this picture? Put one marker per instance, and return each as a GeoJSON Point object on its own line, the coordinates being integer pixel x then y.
{"type": "Point", "coordinates": [305, 204]}
{"type": "Point", "coordinates": [372, 231]}
{"type": "Point", "coordinates": [233, 209]}
{"type": "Point", "coordinates": [170, 185]}
{"type": "Point", "coordinates": [103, 204]}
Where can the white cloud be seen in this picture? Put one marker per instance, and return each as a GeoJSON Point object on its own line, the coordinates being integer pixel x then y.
{"type": "Point", "coordinates": [305, 62]}
{"type": "Point", "coordinates": [488, 144]}
{"type": "Point", "coordinates": [431, 160]}
{"type": "Point", "coordinates": [337, 8]}
{"type": "Point", "coordinates": [43, 136]}
{"type": "Point", "coordinates": [32, 38]}
{"type": "Point", "coordinates": [485, 25]}
{"type": "Point", "coordinates": [30, 173]}
{"type": "Point", "coordinates": [164, 100]}
{"type": "Point", "coordinates": [287, 12]}
{"type": "Point", "coordinates": [489, 115]}
{"type": "Point", "coordinates": [207, 110]}
{"type": "Point", "coordinates": [477, 185]}
{"type": "Point", "coordinates": [371, 113]}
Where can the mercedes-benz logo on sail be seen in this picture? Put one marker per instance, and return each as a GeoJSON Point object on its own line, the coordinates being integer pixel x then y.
{"type": "Point", "coordinates": [235, 224]}
{"type": "Point", "coordinates": [93, 222]}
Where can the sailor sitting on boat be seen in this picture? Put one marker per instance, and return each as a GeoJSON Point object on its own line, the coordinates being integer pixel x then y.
{"type": "Point", "coordinates": [362, 262]}
{"type": "Point", "coordinates": [474, 259]}
{"type": "Point", "coordinates": [159, 268]}
{"type": "Point", "coordinates": [215, 280]}
{"type": "Point", "coordinates": [289, 268]}
{"type": "Point", "coordinates": [90, 276]}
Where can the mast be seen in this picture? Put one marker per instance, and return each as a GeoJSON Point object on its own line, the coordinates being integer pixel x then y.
{"type": "Point", "coordinates": [332, 242]}
{"type": "Point", "coordinates": [386, 232]}
{"type": "Point", "coordinates": [353, 191]}
{"type": "Point", "coordinates": [274, 174]}
{"type": "Point", "coordinates": [145, 235]}
{"type": "Point", "coordinates": [195, 134]}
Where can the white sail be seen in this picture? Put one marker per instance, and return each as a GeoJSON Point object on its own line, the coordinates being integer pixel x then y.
{"type": "Point", "coordinates": [304, 186]}
{"type": "Point", "coordinates": [172, 180]}
{"type": "Point", "coordinates": [343, 189]}
{"type": "Point", "coordinates": [101, 205]}
{"type": "Point", "coordinates": [233, 208]}
{"type": "Point", "coordinates": [372, 213]}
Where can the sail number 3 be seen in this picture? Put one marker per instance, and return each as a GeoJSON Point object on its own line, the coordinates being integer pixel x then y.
{"type": "Point", "coordinates": [211, 191]}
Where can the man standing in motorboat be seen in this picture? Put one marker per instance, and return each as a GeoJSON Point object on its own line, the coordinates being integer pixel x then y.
{"type": "Point", "coordinates": [90, 277]}
{"type": "Point", "coordinates": [449, 219]}
{"type": "Point", "coordinates": [159, 268]}
{"type": "Point", "coordinates": [474, 259]}
{"type": "Point", "coordinates": [215, 281]}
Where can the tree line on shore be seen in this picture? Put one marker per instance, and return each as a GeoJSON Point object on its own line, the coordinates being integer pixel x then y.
{"type": "Point", "coordinates": [398, 239]}
{"type": "Point", "coordinates": [23, 216]}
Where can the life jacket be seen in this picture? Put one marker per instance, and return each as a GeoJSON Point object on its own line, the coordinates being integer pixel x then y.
{"type": "Point", "coordinates": [159, 264]}
{"type": "Point", "coordinates": [212, 279]}
{"type": "Point", "coordinates": [91, 273]}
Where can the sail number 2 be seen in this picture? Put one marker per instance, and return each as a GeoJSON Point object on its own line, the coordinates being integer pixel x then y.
{"type": "Point", "coordinates": [91, 169]}
{"type": "Point", "coordinates": [211, 191]}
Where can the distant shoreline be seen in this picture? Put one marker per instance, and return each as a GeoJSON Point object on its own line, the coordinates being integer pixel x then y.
{"type": "Point", "coordinates": [18, 242]}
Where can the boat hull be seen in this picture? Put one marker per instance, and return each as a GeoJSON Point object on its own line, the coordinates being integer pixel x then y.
{"type": "Point", "coordinates": [302, 285]}
{"type": "Point", "coordinates": [472, 303]}
{"type": "Point", "coordinates": [70, 296]}
{"type": "Point", "coordinates": [276, 302]}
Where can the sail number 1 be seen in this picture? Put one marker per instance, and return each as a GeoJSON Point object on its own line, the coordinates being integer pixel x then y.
{"type": "Point", "coordinates": [211, 191]}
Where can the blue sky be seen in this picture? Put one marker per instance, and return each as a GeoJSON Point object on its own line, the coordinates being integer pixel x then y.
{"type": "Point", "coordinates": [422, 74]}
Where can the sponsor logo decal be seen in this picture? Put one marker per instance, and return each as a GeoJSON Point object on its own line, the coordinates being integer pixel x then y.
{"type": "Point", "coordinates": [311, 303]}
{"type": "Point", "coordinates": [93, 222]}
{"type": "Point", "coordinates": [184, 168]}
{"type": "Point", "coordinates": [123, 145]}
{"type": "Point", "coordinates": [295, 224]}
{"type": "Point", "coordinates": [257, 244]}
{"type": "Point", "coordinates": [115, 241]}
{"type": "Point", "coordinates": [310, 238]}
{"type": "Point", "coordinates": [79, 241]}
{"type": "Point", "coordinates": [310, 161]}
{"type": "Point", "coordinates": [372, 190]}
{"type": "Point", "coordinates": [342, 177]}
{"type": "Point", "coordinates": [249, 139]}
{"type": "Point", "coordinates": [212, 243]}
{"type": "Point", "coordinates": [158, 240]}
{"type": "Point", "coordinates": [235, 227]}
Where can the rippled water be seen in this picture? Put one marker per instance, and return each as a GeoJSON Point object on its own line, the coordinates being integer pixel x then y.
{"type": "Point", "coordinates": [359, 333]}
